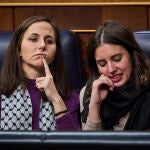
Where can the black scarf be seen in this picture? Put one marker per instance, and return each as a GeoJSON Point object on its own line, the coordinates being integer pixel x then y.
{"type": "Point", "coordinates": [118, 103]}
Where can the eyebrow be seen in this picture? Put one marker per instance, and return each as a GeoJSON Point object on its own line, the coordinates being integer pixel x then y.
{"type": "Point", "coordinates": [118, 54]}
{"type": "Point", "coordinates": [36, 34]}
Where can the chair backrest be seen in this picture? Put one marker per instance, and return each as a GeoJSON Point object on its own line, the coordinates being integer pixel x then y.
{"type": "Point", "coordinates": [143, 39]}
{"type": "Point", "coordinates": [71, 52]}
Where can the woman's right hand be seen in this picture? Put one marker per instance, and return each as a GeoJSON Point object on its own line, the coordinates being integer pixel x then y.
{"type": "Point", "coordinates": [100, 89]}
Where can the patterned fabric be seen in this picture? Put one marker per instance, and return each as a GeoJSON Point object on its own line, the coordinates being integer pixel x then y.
{"type": "Point", "coordinates": [47, 117]}
{"type": "Point", "coordinates": [16, 112]}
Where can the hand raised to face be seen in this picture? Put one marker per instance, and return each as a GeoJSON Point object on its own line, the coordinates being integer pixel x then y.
{"type": "Point", "coordinates": [101, 88]}
{"type": "Point", "coordinates": [46, 83]}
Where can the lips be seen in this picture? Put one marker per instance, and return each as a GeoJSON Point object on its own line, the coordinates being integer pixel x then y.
{"type": "Point", "coordinates": [41, 55]}
{"type": "Point", "coordinates": [116, 78]}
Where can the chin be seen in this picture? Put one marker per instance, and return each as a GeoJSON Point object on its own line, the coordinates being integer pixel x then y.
{"type": "Point", "coordinates": [119, 84]}
{"type": "Point", "coordinates": [40, 65]}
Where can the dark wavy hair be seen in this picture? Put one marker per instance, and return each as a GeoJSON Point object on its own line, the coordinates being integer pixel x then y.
{"type": "Point", "coordinates": [114, 32]}
{"type": "Point", "coordinates": [12, 73]}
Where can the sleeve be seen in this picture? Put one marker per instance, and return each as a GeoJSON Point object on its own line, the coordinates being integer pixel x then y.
{"type": "Point", "coordinates": [89, 125]}
{"type": "Point", "coordinates": [81, 98]}
{"type": "Point", "coordinates": [71, 120]}
{"type": "Point", "coordinates": [81, 103]}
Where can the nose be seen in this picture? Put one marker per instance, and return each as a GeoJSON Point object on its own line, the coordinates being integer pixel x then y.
{"type": "Point", "coordinates": [42, 45]}
{"type": "Point", "coordinates": [111, 67]}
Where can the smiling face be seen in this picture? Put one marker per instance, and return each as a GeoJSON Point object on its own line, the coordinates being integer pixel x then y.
{"type": "Point", "coordinates": [38, 42]}
{"type": "Point", "coordinates": [114, 62]}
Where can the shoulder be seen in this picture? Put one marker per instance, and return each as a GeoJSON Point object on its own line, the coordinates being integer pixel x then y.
{"type": "Point", "coordinates": [85, 93]}
{"type": "Point", "coordinates": [81, 97]}
{"type": "Point", "coordinates": [82, 92]}
{"type": "Point", "coordinates": [144, 98]}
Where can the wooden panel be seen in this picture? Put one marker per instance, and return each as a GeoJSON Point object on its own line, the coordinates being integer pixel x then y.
{"type": "Point", "coordinates": [64, 1]}
{"type": "Point", "coordinates": [6, 16]}
{"type": "Point", "coordinates": [148, 22]}
{"type": "Point", "coordinates": [135, 17]}
{"type": "Point", "coordinates": [72, 18]}
{"type": "Point", "coordinates": [87, 18]}
{"type": "Point", "coordinates": [70, 1]}
{"type": "Point", "coordinates": [83, 42]}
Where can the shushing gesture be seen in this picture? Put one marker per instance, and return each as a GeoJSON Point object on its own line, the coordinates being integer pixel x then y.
{"type": "Point", "coordinates": [47, 84]}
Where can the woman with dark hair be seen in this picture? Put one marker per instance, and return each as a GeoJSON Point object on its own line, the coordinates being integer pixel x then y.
{"type": "Point", "coordinates": [117, 95]}
{"type": "Point", "coordinates": [35, 94]}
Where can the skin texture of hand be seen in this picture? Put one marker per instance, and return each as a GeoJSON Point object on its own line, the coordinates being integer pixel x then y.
{"type": "Point", "coordinates": [47, 85]}
{"type": "Point", "coordinates": [100, 90]}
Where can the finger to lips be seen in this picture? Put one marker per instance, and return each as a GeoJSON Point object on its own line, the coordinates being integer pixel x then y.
{"type": "Point", "coordinates": [46, 67]}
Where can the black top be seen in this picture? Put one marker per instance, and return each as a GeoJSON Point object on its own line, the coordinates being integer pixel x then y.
{"type": "Point", "coordinates": [118, 103]}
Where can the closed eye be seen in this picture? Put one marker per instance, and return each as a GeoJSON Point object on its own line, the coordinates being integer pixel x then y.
{"type": "Point", "coordinates": [102, 63]}
{"type": "Point", "coordinates": [117, 57]}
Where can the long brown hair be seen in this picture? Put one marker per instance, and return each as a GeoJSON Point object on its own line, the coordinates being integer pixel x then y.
{"type": "Point", "coordinates": [12, 74]}
{"type": "Point", "coordinates": [114, 32]}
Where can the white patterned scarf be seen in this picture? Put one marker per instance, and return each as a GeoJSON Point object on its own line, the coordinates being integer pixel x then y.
{"type": "Point", "coordinates": [16, 112]}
